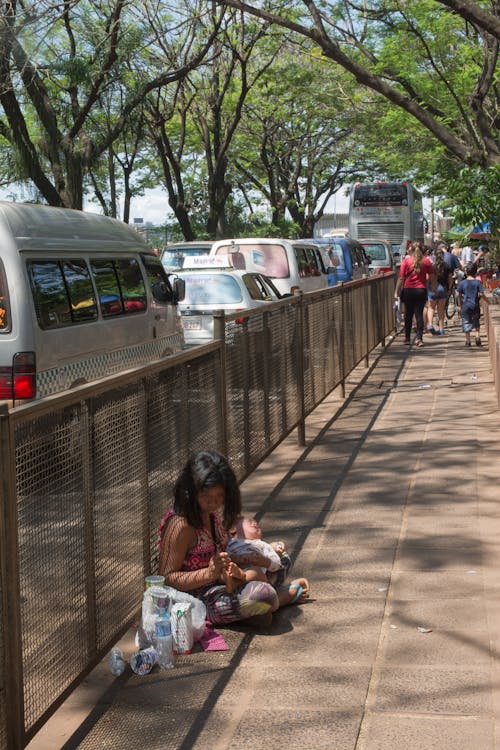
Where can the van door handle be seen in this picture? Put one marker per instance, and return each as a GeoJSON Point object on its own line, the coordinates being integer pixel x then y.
{"type": "Point", "coordinates": [157, 317]}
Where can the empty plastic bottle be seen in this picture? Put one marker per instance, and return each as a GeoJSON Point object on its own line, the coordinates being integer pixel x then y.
{"type": "Point", "coordinates": [116, 661]}
{"type": "Point", "coordinates": [164, 642]}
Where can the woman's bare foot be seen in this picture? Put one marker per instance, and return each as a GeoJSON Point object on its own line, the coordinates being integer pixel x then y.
{"type": "Point", "coordinates": [296, 593]}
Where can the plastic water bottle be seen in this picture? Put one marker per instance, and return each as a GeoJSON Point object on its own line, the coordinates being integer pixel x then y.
{"type": "Point", "coordinates": [116, 661]}
{"type": "Point", "coordinates": [164, 642]}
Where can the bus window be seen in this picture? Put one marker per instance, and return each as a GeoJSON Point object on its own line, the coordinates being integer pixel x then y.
{"type": "Point", "coordinates": [132, 285]}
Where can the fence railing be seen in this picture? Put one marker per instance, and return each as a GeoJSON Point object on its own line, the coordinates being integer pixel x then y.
{"type": "Point", "coordinates": [86, 475]}
{"type": "Point", "coordinates": [491, 310]}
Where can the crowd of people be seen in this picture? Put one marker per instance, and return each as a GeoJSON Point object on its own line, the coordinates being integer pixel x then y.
{"type": "Point", "coordinates": [425, 280]}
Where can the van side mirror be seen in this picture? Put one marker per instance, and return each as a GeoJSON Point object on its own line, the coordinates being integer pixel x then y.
{"type": "Point", "coordinates": [179, 289]}
{"type": "Point", "coordinates": [161, 292]}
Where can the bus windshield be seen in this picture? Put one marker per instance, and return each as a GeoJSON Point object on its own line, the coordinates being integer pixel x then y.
{"type": "Point", "coordinates": [381, 194]}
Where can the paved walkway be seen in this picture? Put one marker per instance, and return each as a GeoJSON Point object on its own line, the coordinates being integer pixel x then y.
{"type": "Point", "coordinates": [392, 513]}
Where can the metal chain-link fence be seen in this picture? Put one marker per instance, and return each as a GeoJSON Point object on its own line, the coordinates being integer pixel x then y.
{"type": "Point", "coordinates": [87, 476]}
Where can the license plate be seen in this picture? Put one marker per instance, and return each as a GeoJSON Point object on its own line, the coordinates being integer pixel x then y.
{"type": "Point", "coordinates": [192, 324]}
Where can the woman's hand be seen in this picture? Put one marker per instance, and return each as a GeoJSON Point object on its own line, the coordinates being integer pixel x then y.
{"type": "Point", "coordinates": [218, 564]}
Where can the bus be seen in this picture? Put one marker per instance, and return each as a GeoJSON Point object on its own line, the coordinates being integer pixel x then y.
{"type": "Point", "coordinates": [386, 210]}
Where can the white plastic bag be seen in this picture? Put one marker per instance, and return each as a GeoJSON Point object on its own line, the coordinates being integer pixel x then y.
{"type": "Point", "coordinates": [146, 630]}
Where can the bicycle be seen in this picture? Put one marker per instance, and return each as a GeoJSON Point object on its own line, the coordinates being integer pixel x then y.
{"type": "Point", "coordinates": [452, 301]}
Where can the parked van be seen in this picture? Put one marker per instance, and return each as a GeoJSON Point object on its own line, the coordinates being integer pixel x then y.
{"type": "Point", "coordinates": [291, 264]}
{"type": "Point", "coordinates": [81, 296]}
{"type": "Point", "coordinates": [177, 255]}
{"type": "Point", "coordinates": [380, 254]}
{"type": "Point", "coordinates": [345, 259]}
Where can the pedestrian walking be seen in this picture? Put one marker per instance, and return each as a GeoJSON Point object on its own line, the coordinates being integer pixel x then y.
{"type": "Point", "coordinates": [415, 273]}
{"type": "Point", "coordinates": [471, 290]}
{"type": "Point", "coordinates": [437, 299]}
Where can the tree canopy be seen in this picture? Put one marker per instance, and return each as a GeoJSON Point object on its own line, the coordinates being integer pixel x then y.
{"type": "Point", "coordinates": [437, 61]}
{"type": "Point", "coordinates": [102, 98]}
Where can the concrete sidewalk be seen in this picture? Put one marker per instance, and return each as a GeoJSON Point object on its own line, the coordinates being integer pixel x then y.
{"type": "Point", "coordinates": [392, 513]}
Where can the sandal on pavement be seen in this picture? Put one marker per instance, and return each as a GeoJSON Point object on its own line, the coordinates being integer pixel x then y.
{"type": "Point", "coordinates": [419, 342]}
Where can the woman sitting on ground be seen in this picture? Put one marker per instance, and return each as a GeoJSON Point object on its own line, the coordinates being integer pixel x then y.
{"type": "Point", "coordinates": [193, 540]}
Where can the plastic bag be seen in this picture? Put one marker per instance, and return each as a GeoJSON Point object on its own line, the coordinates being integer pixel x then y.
{"type": "Point", "coordinates": [146, 630]}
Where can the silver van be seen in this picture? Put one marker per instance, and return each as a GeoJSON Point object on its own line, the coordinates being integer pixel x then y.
{"type": "Point", "coordinates": [291, 264]}
{"type": "Point", "coordinates": [81, 296]}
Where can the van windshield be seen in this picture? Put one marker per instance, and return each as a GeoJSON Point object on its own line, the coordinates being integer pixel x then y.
{"type": "Point", "coordinates": [211, 289]}
{"type": "Point", "coordinates": [268, 259]}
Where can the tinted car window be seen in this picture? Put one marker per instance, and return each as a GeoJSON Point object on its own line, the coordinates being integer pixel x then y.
{"type": "Point", "coordinates": [62, 292]}
{"type": "Point", "coordinates": [108, 287]}
{"type": "Point", "coordinates": [157, 277]}
{"type": "Point", "coordinates": [80, 290]}
{"type": "Point", "coordinates": [132, 285]}
{"type": "Point", "coordinates": [4, 306]}
{"type": "Point", "coordinates": [211, 289]}
{"type": "Point", "coordinates": [120, 286]}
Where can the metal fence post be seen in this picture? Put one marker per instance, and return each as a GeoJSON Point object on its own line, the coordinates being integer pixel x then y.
{"type": "Point", "coordinates": [342, 347]}
{"type": "Point", "coordinates": [9, 571]}
{"type": "Point", "coordinates": [220, 335]}
{"type": "Point", "coordinates": [301, 426]}
{"type": "Point", "coordinates": [366, 299]}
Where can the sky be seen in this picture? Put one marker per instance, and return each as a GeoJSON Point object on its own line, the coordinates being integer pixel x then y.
{"type": "Point", "coordinates": [153, 206]}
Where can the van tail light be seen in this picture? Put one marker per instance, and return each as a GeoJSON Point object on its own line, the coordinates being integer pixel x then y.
{"type": "Point", "coordinates": [24, 375]}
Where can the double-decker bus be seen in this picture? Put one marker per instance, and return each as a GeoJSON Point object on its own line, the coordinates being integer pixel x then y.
{"type": "Point", "coordinates": [386, 210]}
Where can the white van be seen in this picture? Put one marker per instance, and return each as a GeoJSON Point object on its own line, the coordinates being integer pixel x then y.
{"type": "Point", "coordinates": [81, 296]}
{"type": "Point", "coordinates": [291, 264]}
{"type": "Point", "coordinates": [213, 285]}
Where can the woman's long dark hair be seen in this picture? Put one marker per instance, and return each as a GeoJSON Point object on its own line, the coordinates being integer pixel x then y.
{"type": "Point", "coordinates": [441, 269]}
{"type": "Point", "coordinates": [206, 469]}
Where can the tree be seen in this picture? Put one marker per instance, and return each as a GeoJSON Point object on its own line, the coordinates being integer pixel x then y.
{"type": "Point", "coordinates": [401, 50]}
{"type": "Point", "coordinates": [296, 145]}
{"type": "Point", "coordinates": [193, 130]}
{"type": "Point", "coordinates": [57, 61]}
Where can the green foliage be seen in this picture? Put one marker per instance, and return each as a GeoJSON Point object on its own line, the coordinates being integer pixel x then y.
{"type": "Point", "coordinates": [476, 198]}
